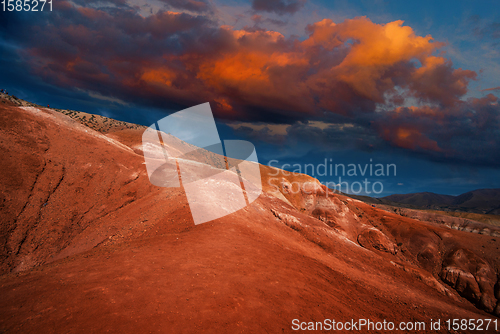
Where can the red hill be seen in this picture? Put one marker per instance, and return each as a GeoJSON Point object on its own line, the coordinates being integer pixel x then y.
{"type": "Point", "coordinates": [87, 244]}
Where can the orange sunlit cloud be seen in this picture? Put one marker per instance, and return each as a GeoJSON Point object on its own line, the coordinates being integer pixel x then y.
{"type": "Point", "coordinates": [340, 67]}
{"type": "Point", "coordinates": [348, 68]}
{"type": "Point", "coordinates": [410, 138]}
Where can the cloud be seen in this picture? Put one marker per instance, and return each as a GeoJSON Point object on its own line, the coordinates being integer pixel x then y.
{"type": "Point", "coordinates": [191, 5]}
{"type": "Point", "coordinates": [485, 29]}
{"type": "Point", "coordinates": [102, 97]}
{"type": "Point", "coordinates": [346, 68]}
{"type": "Point", "coordinates": [101, 3]}
{"type": "Point", "coordinates": [395, 87]}
{"type": "Point", "coordinates": [312, 135]}
{"type": "Point", "coordinates": [491, 89]}
{"type": "Point", "coordinates": [259, 19]}
{"type": "Point", "coordinates": [280, 7]}
{"type": "Point", "coordinates": [468, 131]}
{"type": "Point", "coordinates": [273, 129]}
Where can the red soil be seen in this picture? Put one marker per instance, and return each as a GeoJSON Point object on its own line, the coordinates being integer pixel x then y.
{"type": "Point", "coordinates": [87, 244]}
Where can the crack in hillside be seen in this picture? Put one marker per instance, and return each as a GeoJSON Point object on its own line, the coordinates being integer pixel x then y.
{"type": "Point", "coordinates": [42, 200]}
{"type": "Point", "coordinates": [437, 234]}
{"type": "Point", "coordinates": [61, 178]}
{"type": "Point", "coordinates": [127, 202]}
{"type": "Point", "coordinates": [83, 216]}
{"type": "Point", "coordinates": [17, 249]}
{"type": "Point", "coordinates": [30, 194]}
{"type": "Point", "coordinates": [130, 181]}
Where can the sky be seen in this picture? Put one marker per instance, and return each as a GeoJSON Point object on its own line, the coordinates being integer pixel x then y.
{"type": "Point", "coordinates": [358, 84]}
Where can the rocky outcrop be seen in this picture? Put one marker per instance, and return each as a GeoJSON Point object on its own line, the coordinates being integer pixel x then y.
{"type": "Point", "coordinates": [375, 240]}
{"type": "Point", "coordinates": [472, 277]}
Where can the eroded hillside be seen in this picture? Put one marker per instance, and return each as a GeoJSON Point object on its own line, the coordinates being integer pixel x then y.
{"type": "Point", "coordinates": [88, 244]}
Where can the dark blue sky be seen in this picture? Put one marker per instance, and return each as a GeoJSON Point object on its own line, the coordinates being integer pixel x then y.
{"type": "Point", "coordinates": [303, 80]}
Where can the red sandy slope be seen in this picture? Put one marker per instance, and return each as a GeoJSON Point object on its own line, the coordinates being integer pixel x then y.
{"type": "Point", "coordinates": [88, 245]}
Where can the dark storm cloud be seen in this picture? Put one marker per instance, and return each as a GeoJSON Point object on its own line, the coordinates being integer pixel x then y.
{"type": "Point", "coordinates": [467, 132]}
{"type": "Point", "coordinates": [101, 3]}
{"type": "Point", "coordinates": [106, 49]}
{"type": "Point", "coordinates": [280, 7]}
{"type": "Point", "coordinates": [259, 19]}
{"type": "Point", "coordinates": [191, 5]}
{"type": "Point", "coordinates": [485, 29]}
{"type": "Point", "coordinates": [358, 70]}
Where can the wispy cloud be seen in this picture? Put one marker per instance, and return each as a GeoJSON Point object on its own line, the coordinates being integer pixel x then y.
{"type": "Point", "coordinates": [491, 89]}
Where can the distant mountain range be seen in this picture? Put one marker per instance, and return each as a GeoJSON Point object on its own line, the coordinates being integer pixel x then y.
{"type": "Point", "coordinates": [485, 201]}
